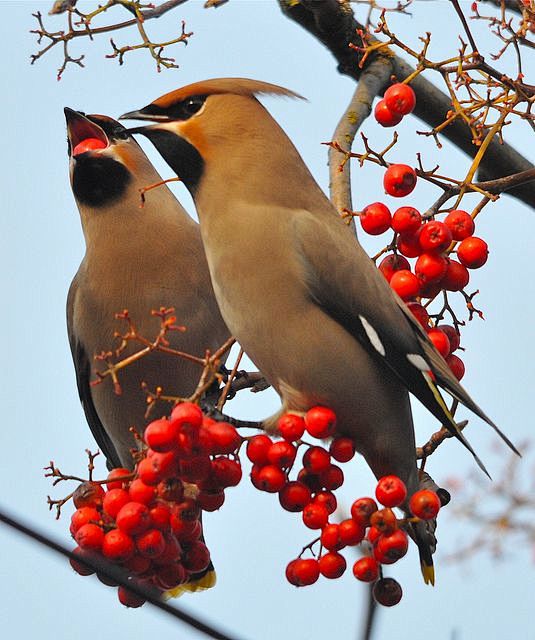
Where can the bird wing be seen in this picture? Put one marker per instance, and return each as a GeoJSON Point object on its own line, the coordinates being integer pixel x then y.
{"type": "Point", "coordinates": [82, 367]}
{"type": "Point", "coordinates": [343, 280]}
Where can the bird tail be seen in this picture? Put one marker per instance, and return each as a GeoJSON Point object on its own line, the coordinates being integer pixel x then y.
{"type": "Point", "coordinates": [198, 582]}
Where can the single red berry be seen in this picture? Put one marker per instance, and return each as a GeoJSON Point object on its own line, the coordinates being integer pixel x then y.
{"type": "Point", "coordinates": [226, 472]}
{"type": "Point", "coordinates": [224, 437]}
{"type": "Point", "coordinates": [170, 576]}
{"type": "Point", "coordinates": [424, 504]}
{"type": "Point", "coordinates": [400, 98]}
{"type": "Point", "coordinates": [114, 501]}
{"type": "Point", "coordinates": [77, 563]}
{"type": "Point", "coordinates": [89, 144]}
{"type": "Point", "coordinates": [456, 277]}
{"type": "Point", "coordinates": [190, 534]}
{"type": "Point", "coordinates": [294, 496]}
{"type": "Point", "coordinates": [187, 412]}
{"type": "Point", "coordinates": [375, 218]}
{"type": "Point", "coordinates": [460, 224]}
{"type": "Point", "coordinates": [129, 598]}
{"type": "Point", "coordinates": [141, 492]}
{"type": "Point", "coordinates": [351, 533]}
{"type": "Point", "coordinates": [89, 536]}
{"type": "Point", "coordinates": [330, 537]}
{"type": "Point", "coordinates": [88, 494]}
{"type": "Point", "coordinates": [211, 500]}
{"type": "Point", "coordinates": [406, 220]}
{"type": "Point", "coordinates": [161, 435]}
{"type": "Point", "coordinates": [82, 516]}
{"type": "Point", "coordinates": [196, 557]}
{"type": "Point", "coordinates": [362, 509]}
{"type": "Point", "coordinates": [456, 365]}
{"type": "Point", "coordinates": [320, 422]}
{"type": "Point", "coordinates": [160, 516]}
{"type": "Point", "coordinates": [430, 267]}
{"type": "Point", "coordinates": [435, 236]}
{"type": "Point", "coordinates": [257, 449]}
{"type": "Point", "coordinates": [453, 336]}
{"type": "Point", "coordinates": [301, 573]}
{"type": "Point", "coordinates": [157, 466]}
{"type": "Point", "coordinates": [171, 553]}
{"type": "Point", "coordinates": [113, 482]}
{"type": "Point", "coordinates": [391, 491]}
{"type": "Point", "coordinates": [312, 480]}
{"type": "Point", "coordinates": [150, 543]}
{"type": "Point", "coordinates": [420, 313]}
{"type": "Point", "coordinates": [282, 454]}
{"type": "Point", "coordinates": [332, 565]}
{"type": "Point", "coordinates": [315, 516]}
{"type": "Point", "coordinates": [195, 469]}
{"type": "Point", "coordinates": [409, 244]}
{"type": "Point", "coordinates": [270, 478]}
{"type": "Point", "coordinates": [373, 534]}
{"type": "Point", "coordinates": [430, 289]}
{"type": "Point", "coordinates": [366, 569]}
{"type": "Point", "coordinates": [342, 449]}
{"type": "Point", "coordinates": [291, 426]}
{"type": "Point", "coordinates": [133, 518]}
{"type": "Point", "coordinates": [399, 180]}
{"type": "Point", "coordinates": [392, 263]}
{"type": "Point", "coordinates": [440, 340]}
{"type": "Point", "coordinates": [384, 520]}
{"type": "Point", "coordinates": [392, 547]}
{"type": "Point", "coordinates": [332, 478]}
{"type": "Point", "coordinates": [327, 499]}
{"type": "Point", "coordinates": [137, 565]}
{"type": "Point", "coordinates": [384, 116]}
{"type": "Point", "coordinates": [405, 284]}
{"type": "Point", "coordinates": [117, 546]}
{"type": "Point", "coordinates": [188, 510]}
{"type": "Point", "coordinates": [316, 459]}
{"type": "Point", "coordinates": [387, 592]}
{"type": "Point", "coordinates": [473, 252]}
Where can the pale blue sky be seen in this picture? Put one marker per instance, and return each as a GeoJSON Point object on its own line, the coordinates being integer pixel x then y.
{"type": "Point", "coordinates": [251, 538]}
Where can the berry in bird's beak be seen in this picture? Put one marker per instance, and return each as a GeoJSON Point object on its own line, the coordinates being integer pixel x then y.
{"type": "Point", "coordinates": [87, 145]}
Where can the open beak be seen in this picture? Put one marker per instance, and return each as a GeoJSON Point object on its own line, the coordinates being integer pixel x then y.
{"type": "Point", "coordinates": [80, 129]}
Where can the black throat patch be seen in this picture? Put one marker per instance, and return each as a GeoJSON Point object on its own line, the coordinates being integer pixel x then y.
{"type": "Point", "coordinates": [99, 181]}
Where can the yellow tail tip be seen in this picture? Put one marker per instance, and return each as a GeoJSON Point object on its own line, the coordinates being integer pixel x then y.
{"type": "Point", "coordinates": [428, 572]}
{"type": "Point", "coordinates": [206, 582]}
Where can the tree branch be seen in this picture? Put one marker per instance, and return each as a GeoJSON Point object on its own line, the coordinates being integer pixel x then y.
{"type": "Point", "coordinates": [335, 26]}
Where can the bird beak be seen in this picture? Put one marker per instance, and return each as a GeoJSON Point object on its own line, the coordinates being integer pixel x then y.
{"type": "Point", "coordinates": [144, 114]}
{"type": "Point", "coordinates": [80, 128]}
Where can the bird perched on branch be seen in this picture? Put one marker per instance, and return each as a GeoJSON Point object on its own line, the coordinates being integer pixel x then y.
{"type": "Point", "coordinates": [294, 286]}
{"type": "Point", "coordinates": [140, 259]}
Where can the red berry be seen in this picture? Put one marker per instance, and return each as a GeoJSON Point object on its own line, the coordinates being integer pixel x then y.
{"type": "Point", "coordinates": [196, 557]}
{"type": "Point", "coordinates": [366, 569]}
{"type": "Point", "coordinates": [435, 236]}
{"type": "Point", "coordinates": [224, 437]}
{"type": "Point", "coordinates": [118, 472]}
{"type": "Point", "coordinates": [257, 449]}
{"type": "Point", "coordinates": [129, 599]}
{"type": "Point", "coordinates": [187, 413]}
{"type": "Point", "coordinates": [330, 537]}
{"type": "Point", "coordinates": [430, 267]}
{"type": "Point", "coordinates": [294, 496]}
{"type": "Point", "coordinates": [456, 365]}
{"type": "Point", "coordinates": [320, 422]}
{"type": "Point", "coordinates": [392, 547]}
{"type": "Point", "coordinates": [151, 543]}
{"type": "Point", "coordinates": [473, 252]}
{"type": "Point", "coordinates": [440, 340]}
{"type": "Point", "coordinates": [159, 517]}
{"type": "Point", "coordinates": [137, 565]}
{"type": "Point", "coordinates": [373, 535]}
{"type": "Point", "coordinates": [195, 469]}
{"type": "Point", "coordinates": [409, 244]}
{"type": "Point", "coordinates": [117, 545]}
{"type": "Point", "coordinates": [453, 336]}
{"type": "Point", "coordinates": [387, 592]}
{"type": "Point", "coordinates": [88, 144]}
{"type": "Point", "coordinates": [392, 263]}
{"type": "Point", "coordinates": [270, 478]}
{"type": "Point", "coordinates": [460, 224]}
{"type": "Point", "coordinates": [156, 467]}
{"type": "Point", "coordinates": [211, 501]}
{"type": "Point", "coordinates": [375, 218]}
{"type": "Point", "coordinates": [342, 449]}
{"type": "Point", "coordinates": [171, 553]}
{"type": "Point", "coordinates": [405, 284]}
{"type": "Point", "coordinates": [311, 480]}
{"type": "Point", "coordinates": [282, 454]}
{"type": "Point", "coordinates": [226, 472]}
{"type": "Point", "coordinates": [391, 491]}
{"type": "Point", "coordinates": [362, 509]}
{"type": "Point", "coordinates": [332, 565]}
{"type": "Point", "coordinates": [88, 494]}
{"type": "Point", "coordinates": [420, 313]}
{"type": "Point", "coordinates": [82, 516]}
{"type": "Point", "coordinates": [78, 564]}
{"type": "Point", "coordinates": [351, 533]}
{"type": "Point", "coordinates": [302, 573]}
{"type": "Point", "coordinates": [89, 536]}
{"type": "Point", "coordinates": [384, 520]}
{"type": "Point", "coordinates": [406, 220]}
{"type": "Point", "coordinates": [384, 116]}
{"type": "Point", "coordinates": [400, 98]}
{"type": "Point", "coordinates": [424, 504]}
{"type": "Point", "coordinates": [133, 518]}
{"type": "Point", "coordinates": [327, 499]}
{"type": "Point", "coordinates": [399, 180]}
{"type": "Point", "coordinates": [456, 277]}
{"type": "Point", "coordinates": [332, 478]}
{"type": "Point", "coordinates": [141, 492]}
{"type": "Point", "coordinates": [170, 576]}
{"type": "Point", "coordinates": [291, 426]}
{"type": "Point", "coordinates": [315, 516]}
{"type": "Point", "coordinates": [114, 501]}
{"type": "Point", "coordinates": [316, 459]}
{"type": "Point", "coordinates": [430, 289]}
{"type": "Point", "coordinates": [161, 435]}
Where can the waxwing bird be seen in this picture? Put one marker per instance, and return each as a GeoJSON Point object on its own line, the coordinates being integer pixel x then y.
{"type": "Point", "coordinates": [293, 284]}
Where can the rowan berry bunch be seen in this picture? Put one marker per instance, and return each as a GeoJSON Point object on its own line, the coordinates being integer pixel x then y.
{"type": "Point", "coordinates": [312, 495]}
{"type": "Point", "coordinates": [149, 521]}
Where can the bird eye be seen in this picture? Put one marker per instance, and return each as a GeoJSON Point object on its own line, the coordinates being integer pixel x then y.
{"type": "Point", "coordinates": [192, 105]}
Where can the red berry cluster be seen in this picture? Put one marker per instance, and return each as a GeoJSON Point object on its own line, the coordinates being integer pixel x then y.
{"type": "Point", "coordinates": [399, 101]}
{"type": "Point", "coordinates": [312, 495]}
{"type": "Point", "coordinates": [149, 521]}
